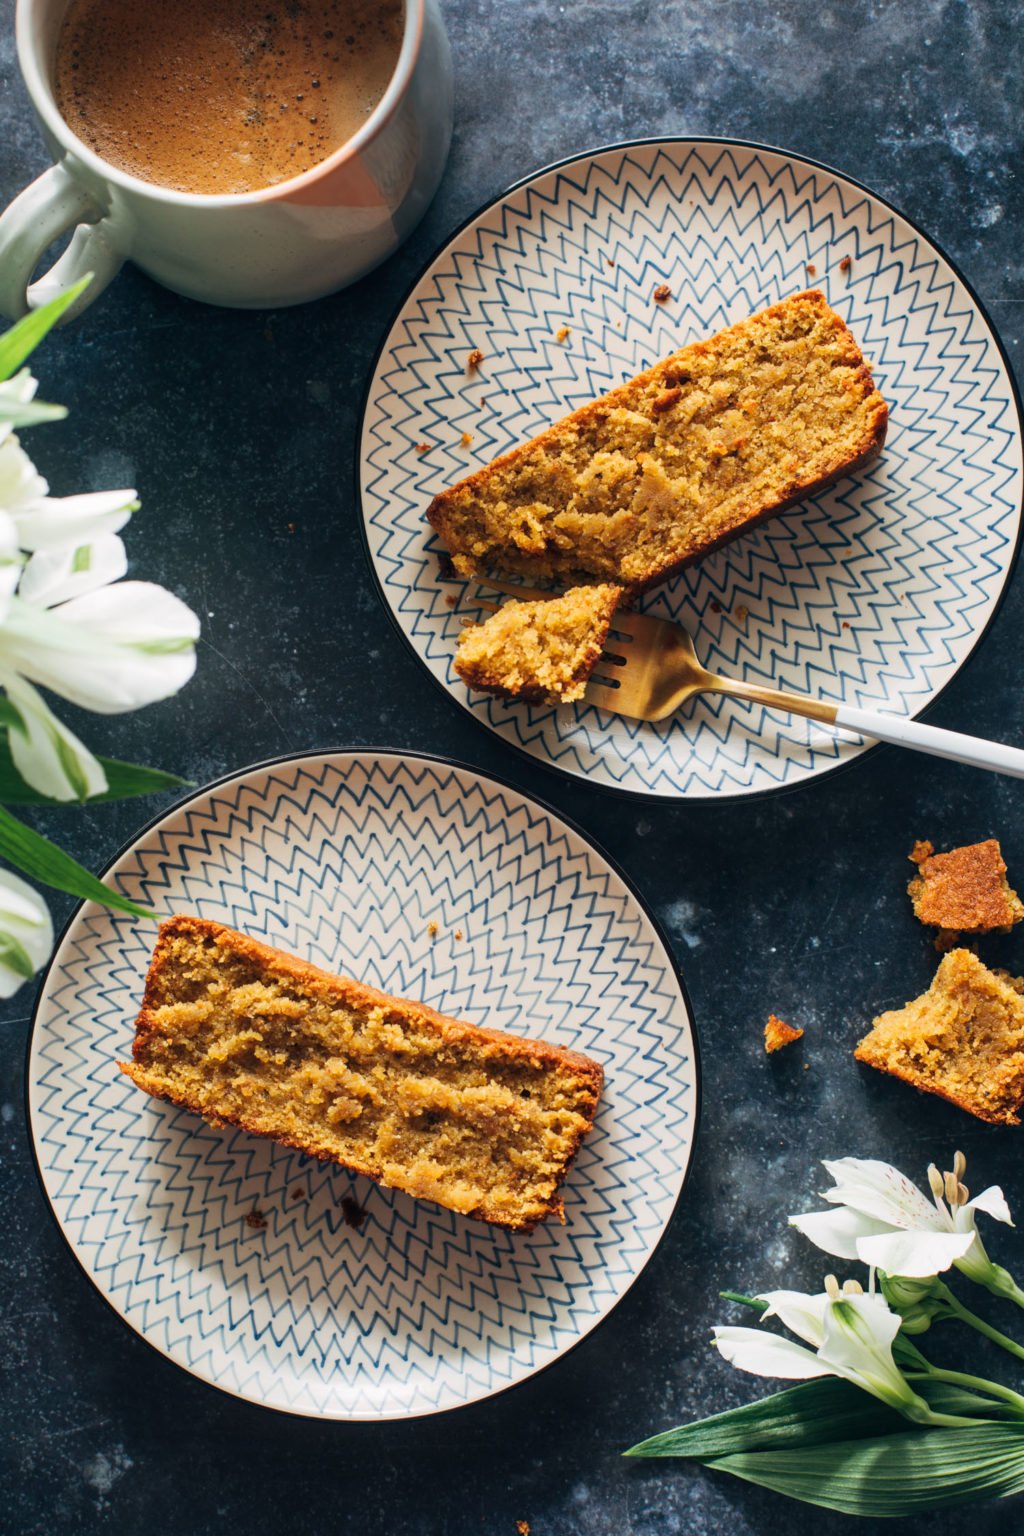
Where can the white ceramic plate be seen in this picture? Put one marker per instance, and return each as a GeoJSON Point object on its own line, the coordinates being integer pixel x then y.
{"type": "Point", "coordinates": [874, 593]}
{"type": "Point", "coordinates": [346, 859]}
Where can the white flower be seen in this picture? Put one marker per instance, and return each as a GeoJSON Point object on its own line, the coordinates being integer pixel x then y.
{"type": "Point", "coordinates": [851, 1335]}
{"type": "Point", "coordinates": [55, 522]}
{"type": "Point", "coordinates": [19, 407]}
{"type": "Point", "coordinates": [26, 932]}
{"type": "Point", "coordinates": [885, 1221]}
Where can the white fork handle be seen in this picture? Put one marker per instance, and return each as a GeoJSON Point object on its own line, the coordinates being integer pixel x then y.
{"type": "Point", "coordinates": [929, 738]}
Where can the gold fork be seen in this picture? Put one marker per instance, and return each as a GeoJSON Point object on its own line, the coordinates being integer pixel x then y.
{"type": "Point", "coordinates": [650, 668]}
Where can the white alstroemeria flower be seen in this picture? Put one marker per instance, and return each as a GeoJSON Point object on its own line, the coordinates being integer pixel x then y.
{"type": "Point", "coordinates": [46, 754]}
{"type": "Point", "coordinates": [19, 407]}
{"type": "Point", "coordinates": [885, 1221]}
{"type": "Point", "coordinates": [851, 1335]}
{"type": "Point", "coordinates": [56, 522]}
{"type": "Point", "coordinates": [52, 576]}
{"type": "Point", "coordinates": [26, 932]}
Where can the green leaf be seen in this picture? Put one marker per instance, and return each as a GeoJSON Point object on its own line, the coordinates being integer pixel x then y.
{"type": "Point", "coordinates": [15, 956]}
{"type": "Point", "coordinates": [124, 780]}
{"type": "Point", "coordinates": [813, 1413]}
{"type": "Point", "coordinates": [42, 860]}
{"type": "Point", "coordinates": [25, 336]}
{"type": "Point", "coordinates": [894, 1474]}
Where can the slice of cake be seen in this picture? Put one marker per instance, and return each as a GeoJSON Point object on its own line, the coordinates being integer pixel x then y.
{"type": "Point", "coordinates": [962, 1039]}
{"type": "Point", "coordinates": [964, 891]}
{"type": "Point", "coordinates": [707, 443]}
{"type": "Point", "coordinates": [481, 1121]}
{"type": "Point", "coordinates": [543, 652]}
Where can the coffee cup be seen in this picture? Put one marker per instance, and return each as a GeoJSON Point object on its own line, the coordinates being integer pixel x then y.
{"type": "Point", "coordinates": [281, 244]}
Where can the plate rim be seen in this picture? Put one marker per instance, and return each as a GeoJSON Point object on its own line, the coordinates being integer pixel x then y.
{"type": "Point", "coordinates": [620, 791]}
{"type": "Point", "coordinates": [440, 761]}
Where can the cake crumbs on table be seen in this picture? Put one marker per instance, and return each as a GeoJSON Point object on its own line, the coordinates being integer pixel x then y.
{"type": "Point", "coordinates": [811, 269]}
{"type": "Point", "coordinates": [255, 1219]}
{"type": "Point", "coordinates": [353, 1212]}
{"type": "Point", "coordinates": [422, 447]}
{"type": "Point", "coordinates": [474, 360]}
{"type": "Point", "coordinates": [845, 264]}
{"type": "Point", "coordinates": [458, 933]}
{"type": "Point", "coordinates": [662, 293]}
{"type": "Point", "coordinates": [778, 1034]}
{"type": "Point", "coordinates": [432, 927]}
{"type": "Point", "coordinates": [562, 334]}
{"type": "Point", "coordinates": [466, 439]}
{"type": "Point", "coordinates": [846, 624]}
{"type": "Point", "coordinates": [522, 1528]}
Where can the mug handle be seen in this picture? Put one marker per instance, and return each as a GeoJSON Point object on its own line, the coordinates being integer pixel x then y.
{"type": "Point", "coordinates": [41, 214]}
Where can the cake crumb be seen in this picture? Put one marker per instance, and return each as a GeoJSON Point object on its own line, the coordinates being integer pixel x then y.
{"type": "Point", "coordinates": [964, 891]}
{"type": "Point", "coordinates": [422, 447]}
{"type": "Point", "coordinates": [807, 1066]}
{"type": "Point", "coordinates": [921, 850]}
{"type": "Point", "coordinates": [298, 1193]}
{"type": "Point", "coordinates": [458, 933]}
{"type": "Point", "coordinates": [812, 270]}
{"type": "Point", "coordinates": [353, 1212]}
{"type": "Point", "coordinates": [715, 605]}
{"type": "Point", "coordinates": [662, 293]}
{"type": "Point", "coordinates": [451, 600]}
{"type": "Point", "coordinates": [522, 1528]}
{"type": "Point", "coordinates": [845, 624]}
{"type": "Point", "coordinates": [778, 1034]}
{"type": "Point", "coordinates": [466, 439]}
{"type": "Point", "coordinates": [562, 334]}
{"type": "Point", "coordinates": [845, 264]}
{"type": "Point", "coordinates": [741, 613]}
{"type": "Point", "coordinates": [432, 929]}
{"type": "Point", "coordinates": [256, 1220]}
{"type": "Point", "coordinates": [610, 260]}
{"type": "Point", "coordinates": [290, 527]}
{"type": "Point", "coordinates": [474, 360]}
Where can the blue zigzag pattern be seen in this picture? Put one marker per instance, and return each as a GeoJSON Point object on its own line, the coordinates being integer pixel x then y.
{"type": "Point", "coordinates": [872, 593]}
{"type": "Point", "coordinates": [346, 859]}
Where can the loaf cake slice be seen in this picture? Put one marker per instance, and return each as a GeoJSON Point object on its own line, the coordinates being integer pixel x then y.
{"type": "Point", "coordinates": [540, 651]}
{"type": "Point", "coordinates": [665, 468]}
{"type": "Point", "coordinates": [963, 1039]}
{"type": "Point", "coordinates": [480, 1121]}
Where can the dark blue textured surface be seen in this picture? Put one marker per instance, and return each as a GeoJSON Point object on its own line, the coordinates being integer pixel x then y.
{"type": "Point", "coordinates": [239, 428]}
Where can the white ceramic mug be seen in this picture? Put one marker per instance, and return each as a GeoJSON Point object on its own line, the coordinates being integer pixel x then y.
{"type": "Point", "coordinates": [281, 245]}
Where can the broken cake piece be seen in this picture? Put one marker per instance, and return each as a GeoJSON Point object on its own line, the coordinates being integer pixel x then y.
{"type": "Point", "coordinates": [777, 1034]}
{"type": "Point", "coordinates": [963, 1039]}
{"type": "Point", "coordinates": [963, 892]}
{"type": "Point", "coordinates": [542, 651]}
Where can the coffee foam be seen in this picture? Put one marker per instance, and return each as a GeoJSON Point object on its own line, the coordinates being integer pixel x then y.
{"type": "Point", "coordinates": [224, 97]}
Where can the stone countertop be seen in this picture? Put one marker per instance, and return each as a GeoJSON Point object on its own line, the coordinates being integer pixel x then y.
{"type": "Point", "coordinates": [794, 903]}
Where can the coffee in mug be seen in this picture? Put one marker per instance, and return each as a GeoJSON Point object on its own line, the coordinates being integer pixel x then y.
{"type": "Point", "coordinates": [223, 96]}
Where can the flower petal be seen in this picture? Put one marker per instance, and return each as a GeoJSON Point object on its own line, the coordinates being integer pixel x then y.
{"type": "Point", "coordinates": [46, 754]}
{"type": "Point", "coordinates": [111, 650]}
{"type": "Point", "coordinates": [766, 1354]}
{"type": "Point", "coordinates": [20, 481]}
{"type": "Point", "coordinates": [803, 1315]}
{"type": "Point", "coordinates": [880, 1190]}
{"type": "Point", "coordinates": [55, 576]}
{"type": "Point", "coordinates": [992, 1201]}
{"type": "Point", "coordinates": [52, 522]}
{"type": "Point", "coordinates": [26, 932]}
{"type": "Point", "coordinates": [838, 1232]}
{"type": "Point", "coordinates": [914, 1255]}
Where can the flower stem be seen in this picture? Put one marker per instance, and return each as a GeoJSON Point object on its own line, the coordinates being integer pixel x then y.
{"type": "Point", "coordinates": [965, 1315]}
{"type": "Point", "coordinates": [973, 1383]}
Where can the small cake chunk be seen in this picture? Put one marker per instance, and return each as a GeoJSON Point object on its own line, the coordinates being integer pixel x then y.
{"type": "Point", "coordinates": [963, 1039]}
{"type": "Point", "coordinates": [544, 651]}
{"type": "Point", "coordinates": [964, 891]}
{"type": "Point", "coordinates": [777, 1033]}
{"type": "Point", "coordinates": [481, 1121]}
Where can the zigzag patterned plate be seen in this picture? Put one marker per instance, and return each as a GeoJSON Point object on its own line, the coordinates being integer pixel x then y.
{"type": "Point", "coordinates": [874, 593]}
{"type": "Point", "coordinates": [347, 858]}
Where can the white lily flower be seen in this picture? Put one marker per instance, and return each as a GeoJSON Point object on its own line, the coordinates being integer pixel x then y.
{"type": "Point", "coordinates": [887, 1223]}
{"type": "Point", "coordinates": [109, 650]}
{"type": "Point", "coordinates": [26, 932]}
{"type": "Point", "coordinates": [19, 407]}
{"type": "Point", "coordinates": [851, 1336]}
{"type": "Point", "coordinates": [46, 754]}
{"type": "Point", "coordinates": [54, 522]}
{"type": "Point", "coordinates": [54, 576]}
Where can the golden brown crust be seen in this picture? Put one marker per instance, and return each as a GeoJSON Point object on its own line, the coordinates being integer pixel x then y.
{"type": "Point", "coordinates": [964, 890]}
{"type": "Point", "coordinates": [496, 1045]}
{"type": "Point", "coordinates": [778, 1034]}
{"type": "Point", "coordinates": [664, 381]}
